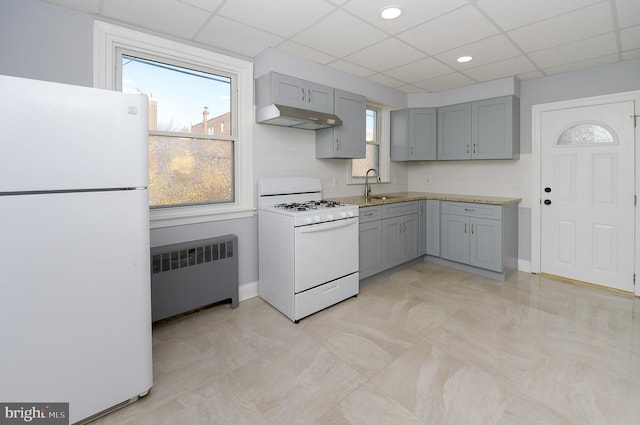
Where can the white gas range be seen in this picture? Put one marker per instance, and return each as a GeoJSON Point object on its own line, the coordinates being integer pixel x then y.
{"type": "Point", "coordinates": [308, 247]}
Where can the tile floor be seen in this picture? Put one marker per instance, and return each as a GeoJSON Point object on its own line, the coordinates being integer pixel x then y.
{"type": "Point", "coordinates": [424, 344]}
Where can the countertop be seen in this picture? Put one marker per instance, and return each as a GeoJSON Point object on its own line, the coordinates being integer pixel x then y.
{"type": "Point", "coordinates": [417, 196]}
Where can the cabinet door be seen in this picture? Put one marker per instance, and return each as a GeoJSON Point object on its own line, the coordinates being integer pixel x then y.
{"type": "Point", "coordinates": [454, 238]}
{"type": "Point", "coordinates": [409, 238]}
{"type": "Point", "coordinates": [432, 227]}
{"type": "Point", "coordinates": [370, 248]}
{"type": "Point", "coordinates": [391, 228]}
{"type": "Point", "coordinates": [286, 90]}
{"type": "Point", "coordinates": [347, 140]}
{"type": "Point", "coordinates": [422, 134]}
{"type": "Point", "coordinates": [422, 228]}
{"type": "Point", "coordinates": [454, 132]}
{"type": "Point", "coordinates": [400, 135]}
{"type": "Point", "coordinates": [319, 98]}
{"type": "Point", "coordinates": [492, 134]}
{"type": "Point", "coordinates": [486, 243]}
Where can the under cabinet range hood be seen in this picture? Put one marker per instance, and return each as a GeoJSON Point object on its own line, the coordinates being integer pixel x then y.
{"type": "Point", "coordinates": [286, 116]}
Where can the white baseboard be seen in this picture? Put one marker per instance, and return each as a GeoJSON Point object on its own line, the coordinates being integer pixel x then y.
{"type": "Point", "coordinates": [248, 291]}
{"type": "Point", "coordinates": [524, 266]}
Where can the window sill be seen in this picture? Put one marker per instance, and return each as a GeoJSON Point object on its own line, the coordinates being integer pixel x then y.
{"type": "Point", "coordinates": [180, 216]}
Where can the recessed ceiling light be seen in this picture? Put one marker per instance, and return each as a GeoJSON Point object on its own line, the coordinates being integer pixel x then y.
{"type": "Point", "coordinates": [463, 59]}
{"type": "Point", "coordinates": [390, 12]}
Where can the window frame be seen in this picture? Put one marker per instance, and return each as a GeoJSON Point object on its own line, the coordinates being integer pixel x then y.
{"type": "Point", "coordinates": [384, 136]}
{"type": "Point", "coordinates": [111, 40]}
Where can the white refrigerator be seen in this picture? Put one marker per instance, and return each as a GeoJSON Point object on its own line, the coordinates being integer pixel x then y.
{"type": "Point", "coordinates": [75, 309]}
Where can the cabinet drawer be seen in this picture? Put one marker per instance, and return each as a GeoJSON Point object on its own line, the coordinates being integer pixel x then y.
{"type": "Point", "coordinates": [401, 208]}
{"type": "Point", "coordinates": [366, 214]}
{"type": "Point", "coordinates": [471, 210]}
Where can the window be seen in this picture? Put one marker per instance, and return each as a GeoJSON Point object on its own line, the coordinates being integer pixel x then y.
{"type": "Point", "coordinates": [190, 163]}
{"type": "Point", "coordinates": [201, 154]}
{"type": "Point", "coordinates": [359, 167]}
{"type": "Point", "coordinates": [586, 134]}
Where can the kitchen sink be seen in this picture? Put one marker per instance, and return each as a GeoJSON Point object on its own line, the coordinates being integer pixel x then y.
{"type": "Point", "coordinates": [382, 197]}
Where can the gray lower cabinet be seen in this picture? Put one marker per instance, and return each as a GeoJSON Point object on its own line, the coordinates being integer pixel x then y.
{"type": "Point", "coordinates": [399, 233]}
{"type": "Point", "coordinates": [370, 219]}
{"type": "Point", "coordinates": [480, 235]}
{"type": "Point", "coordinates": [432, 227]}
{"type": "Point", "coordinates": [422, 228]}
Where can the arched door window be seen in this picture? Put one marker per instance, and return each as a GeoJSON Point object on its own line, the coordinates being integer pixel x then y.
{"type": "Point", "coordinates": [586, 134]}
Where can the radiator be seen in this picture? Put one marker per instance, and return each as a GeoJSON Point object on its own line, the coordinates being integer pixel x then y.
{"type": "Point", "coordinates": [190, 275]}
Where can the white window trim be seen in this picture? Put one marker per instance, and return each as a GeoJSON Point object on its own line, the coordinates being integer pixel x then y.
{"type": "Point", "coordinates": [108, 38]}
{"type": "Point", "coordinates": [384, 116]}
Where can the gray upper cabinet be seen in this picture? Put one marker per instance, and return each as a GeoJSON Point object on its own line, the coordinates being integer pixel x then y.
{"type": "Point", "coordinates": [290, 91]}
{"type": "Point", "coordinates": [495, 130]}
{"type": "Point", "coordinates": [485, 129]}
{"type": "Point", "coordinates": [454, 131]}
{"type": "Point", "coordinates": [413, 134]}
{"type": "Point", "coordinates": [347, 140]}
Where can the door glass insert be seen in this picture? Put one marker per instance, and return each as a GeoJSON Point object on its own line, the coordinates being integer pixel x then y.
{"type": "Point", "coordinates": [586, 134]}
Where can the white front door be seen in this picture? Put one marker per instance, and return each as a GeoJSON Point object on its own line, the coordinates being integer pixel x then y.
{"type": "Point", "coordinates": [587, 193]}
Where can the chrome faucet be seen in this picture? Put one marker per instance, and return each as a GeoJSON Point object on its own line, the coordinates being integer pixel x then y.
{"type": "Point", "coordinates": [367, 187]}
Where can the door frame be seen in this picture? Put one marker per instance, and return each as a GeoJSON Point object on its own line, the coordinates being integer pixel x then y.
{"type": "Point", "coordinates": [536, 161]}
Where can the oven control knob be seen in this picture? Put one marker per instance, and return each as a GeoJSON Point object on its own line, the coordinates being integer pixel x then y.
{"type": "Point", "coordinates": [350, 213]}
{"type": "Point", "coordinates": [308, 220]}
{"type": "Point", "coordinates": [330, 217]}
{"type": "Point", "coordinates": [316, 218]}
{"type": "Point", "coordinates": [343, 214]}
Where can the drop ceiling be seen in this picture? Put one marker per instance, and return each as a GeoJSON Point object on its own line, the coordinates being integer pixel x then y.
{"type": "Point", "coordinates": [414, 53]}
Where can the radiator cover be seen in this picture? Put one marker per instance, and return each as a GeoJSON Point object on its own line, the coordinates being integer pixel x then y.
{"type": "Point", "coordinates": [190, 275]}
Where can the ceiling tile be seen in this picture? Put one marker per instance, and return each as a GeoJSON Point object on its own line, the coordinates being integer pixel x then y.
{"type": "Point", "coordinates": [446, 82]}
{"type": "Point", "coordinates": [564, 28]}
{"type": "Point", "coordinates": [517, 13]}
{"type": "Point", "coordinates": [413, 12]}
{"type": "Point", "coordinates": [170, 16]}
{"type": "Point", "coordinates": [530, 75]}
{"type": "Point", "coordinates": [419, 71]}
{"type": "Point", "coordinates": [386, 54]}
{"type": "Point", "coordinates": [282, 17]}
{"type": "Point", "coordinates": [582, 50]}
{"type": "Point", "coordinates": [305, 52]}
{"type": "Point", "coordinates": [630, 38]}
{"type": "Point", "coordinates": [89, 6]}
{"type": "Point", "coordinates": [501, 69]}
{"type": "Point", "coordinates": [247, 41]}
{"type": "Point", "coordinates": [411, 89]}
{"type": "Point", "coordinates": [351, 68]}
{"type": "Point", "coordinates": [631, 54]}
{"type": "Point", "coordinates": [386, 80]}
{"type": "Point", "coordinates": [210, 5]}
{"type": "Point", "coordinates": [340, 34]}
{"type": "Point", "coordinates": [602, 60]}
{"type": "Point", "coordinates": [483, 52]}
{"type": "Point", "coordinates": [628, 12]}
{"type": "Point", "coordinates": [462, 26]}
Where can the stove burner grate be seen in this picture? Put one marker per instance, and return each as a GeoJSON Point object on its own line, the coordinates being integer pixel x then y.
{"type": "Point", "coordinates": [309, 205]}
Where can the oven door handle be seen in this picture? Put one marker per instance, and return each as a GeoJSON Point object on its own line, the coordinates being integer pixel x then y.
{"type": "Point", "coordinates": [328, 226]}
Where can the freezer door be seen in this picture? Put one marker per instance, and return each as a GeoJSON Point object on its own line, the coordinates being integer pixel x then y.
{"type": "Point", "coordinates": [75, 314]}
{"type": "Point", "coordinates": [62, 137]}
